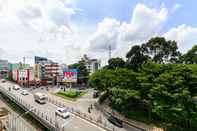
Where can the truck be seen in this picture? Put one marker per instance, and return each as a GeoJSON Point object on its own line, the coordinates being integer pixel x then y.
{"type": "Point", "coordinates": [40, 98]}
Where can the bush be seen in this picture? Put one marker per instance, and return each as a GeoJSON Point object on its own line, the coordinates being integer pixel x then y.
{"type": "Point", "coordinates": [71, 94]}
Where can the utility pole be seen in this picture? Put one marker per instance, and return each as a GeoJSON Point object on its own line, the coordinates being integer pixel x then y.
{"type": "Point", "coordinates": [109, 52]}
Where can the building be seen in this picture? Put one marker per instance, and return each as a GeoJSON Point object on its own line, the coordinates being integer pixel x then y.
{"type": "Point", "coordinates": [40, 60]}
{"type": "Point", "coordinates": [92, 65]}
{"type": "Point", "coordinates": [24, 77]}
{"type": "Point", "coordinates": [46, 71]}
{"type": "Point", "coordinates": [51, 72]}
{"type": "Point", "coordinates": [4, 70]}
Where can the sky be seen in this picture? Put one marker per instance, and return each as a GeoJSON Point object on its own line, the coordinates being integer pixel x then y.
{"type": "Point", "coordinates": [65, 30]}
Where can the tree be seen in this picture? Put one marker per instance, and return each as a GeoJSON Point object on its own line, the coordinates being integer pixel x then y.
{"type": "Point", "coordinates": [161, 50]}
{"type": "Point", "coordinates": [83, 73]}
{"type": "Point", "coordinates": [135, 57]}
{"type": "Point", "coordinates": [191, 56]}
{"type": "Point", "coordinates": [115, 63]}
{"type": "Point", "coordinates": [102, 80]}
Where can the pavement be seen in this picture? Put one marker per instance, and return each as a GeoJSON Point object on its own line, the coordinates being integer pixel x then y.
{"type": "Point", "coordinates": [73, 123]}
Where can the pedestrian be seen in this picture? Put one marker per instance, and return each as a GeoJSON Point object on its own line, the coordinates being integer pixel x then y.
{"type": "Point", "coordinates": [89, 110]}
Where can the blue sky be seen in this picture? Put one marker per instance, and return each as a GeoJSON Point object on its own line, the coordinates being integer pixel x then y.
{"type": "Point", "coordinates": [64, 30]}
{"type": "Point", "coordinates": [94, 11]}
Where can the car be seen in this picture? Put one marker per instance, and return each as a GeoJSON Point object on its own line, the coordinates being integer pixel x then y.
{"type": "Point", "coordinates": [3, 80]}
{"type": "Point", "coordinates": [24, 92]}
{"type": "Point", "coordinates": [96, 94]}
{"type": "Point", "coordinates": [62, 112]}
{"type": "Point", "coordinates": [115, 121]}
{"type": "Point", "coordinates": [16, 87]}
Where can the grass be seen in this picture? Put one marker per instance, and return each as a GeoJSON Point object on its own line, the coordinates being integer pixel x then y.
{"type": "Point", "coordinates": [70, 95]}
{"type": "Point", "coordinates": [27, 117]}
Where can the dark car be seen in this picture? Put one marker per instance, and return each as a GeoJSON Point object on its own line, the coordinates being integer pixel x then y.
{"type": "Point", "coordinates": [115, 121]}
{"type": "Point", "coordinates": [96, 94]}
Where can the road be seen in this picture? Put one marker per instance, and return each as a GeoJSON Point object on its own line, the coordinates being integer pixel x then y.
{"type": "Point", "coordinates": [73, 123]}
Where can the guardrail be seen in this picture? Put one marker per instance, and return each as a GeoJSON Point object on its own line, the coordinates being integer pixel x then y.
{"type": "Point", "coordinates": [97, 121]}
{"type": "Point", "coordinates": [36, 113]}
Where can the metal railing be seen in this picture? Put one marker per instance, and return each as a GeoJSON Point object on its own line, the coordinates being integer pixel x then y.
{"type": "Point", "coordinates": [99, 121]}
{"type": "Point", "coordinates": [36, 113]}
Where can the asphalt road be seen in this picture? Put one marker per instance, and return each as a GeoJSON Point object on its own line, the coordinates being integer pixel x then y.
{"type": "Point", "coordinates": [73, 123]}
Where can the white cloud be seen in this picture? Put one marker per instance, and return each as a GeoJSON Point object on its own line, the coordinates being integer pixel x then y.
{"type": "Point", "coordinates": [184, 35]}
{"type": "Point", "coordinates": [145, 22]}
{"type": "Point", "coordinates": [43, 27]}
{"type": "Point", "coordinates": [176, 7]}
{"type": "Point", "coordinates": [106, 35]}
{"type": "Point", "coordinates": [27, 25]}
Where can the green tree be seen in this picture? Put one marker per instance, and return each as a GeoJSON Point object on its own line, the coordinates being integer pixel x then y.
{"type": "Point", "coordinates": [135, 57]}
{"type": "Point", "coordinates": [191, 56]}
{"type": "Point", "coordinates": [115, 63]}
{"type": "Point", "coordinates": [161, 50]}
{"type": "Point", "coordinates": [83, 73]}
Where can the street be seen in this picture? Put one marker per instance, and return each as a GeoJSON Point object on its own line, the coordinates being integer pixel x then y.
{"type": "Point", "coordinates": [73, 123]}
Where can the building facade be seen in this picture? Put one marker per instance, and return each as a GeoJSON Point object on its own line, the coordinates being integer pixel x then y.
{"type": "Point", "coordinates": [51, 72]}
{"type": "Point", "coordinates": [24, 77]}
{"type": "Point", "coordinates": [92, 65]}
{"type": "Point", "coordinates": [4, 70]}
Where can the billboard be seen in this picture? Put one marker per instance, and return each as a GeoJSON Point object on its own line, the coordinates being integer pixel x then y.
{"type": "Point", "coordinates": [69, 75]}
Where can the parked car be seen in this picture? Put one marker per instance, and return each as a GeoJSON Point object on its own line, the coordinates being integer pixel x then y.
{"type": "Point", "coordinates": [115, 121]}
{"type": "Point", "coordinates": [62, 112]}
{"type": "Point", "coordinates": [24, 92]}
{"type": "Point", "coordinates": [16, 87]}
{"type": "Point", "coordinates": [96, 94]}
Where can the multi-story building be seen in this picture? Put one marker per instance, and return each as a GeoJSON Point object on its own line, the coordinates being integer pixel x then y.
{"type": "Point", "coordinates": [12, 67]}
{"type": "Point", "coordinates": [4, 69]}
{"type": "Point", "coordinates": [46, 71]}
{"type": "Point", "coordinates": [51, 72]}
{"type": "Point", "coordinates": [24, 77]}
{"type": "Point", "coordinates": [92, 65]}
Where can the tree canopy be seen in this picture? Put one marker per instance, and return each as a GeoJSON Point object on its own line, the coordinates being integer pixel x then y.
{"type": "Point", "coordinates": [115, 63]}
{"type": "Point", "coordinates": [83, 73]}
{"type": "Point", "coordinates": [152, 81]}
{"type": "Point", "coordinates": [191, 56]}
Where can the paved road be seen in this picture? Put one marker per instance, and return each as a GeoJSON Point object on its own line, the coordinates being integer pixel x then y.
{"type": "Point", "coordinates": [82, 104]}
{"type": "Point", "coordinates": [73, 123]}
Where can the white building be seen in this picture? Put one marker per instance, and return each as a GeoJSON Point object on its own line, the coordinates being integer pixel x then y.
{"type": "Point", "coordinates": [92, 64]}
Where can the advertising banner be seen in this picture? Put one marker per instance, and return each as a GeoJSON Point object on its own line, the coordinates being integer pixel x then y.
{"type": "Point", "coordinates": [70, 75]}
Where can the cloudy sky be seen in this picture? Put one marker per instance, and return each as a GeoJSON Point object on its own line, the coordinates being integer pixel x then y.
{"type": "Point", "coordinates": [64, 30]}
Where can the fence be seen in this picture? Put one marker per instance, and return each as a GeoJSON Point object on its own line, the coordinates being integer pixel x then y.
{"type": "Point", "coordinates": [36, 113]}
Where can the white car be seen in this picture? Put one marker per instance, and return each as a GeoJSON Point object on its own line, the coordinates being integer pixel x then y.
{"type": "Point", "coordinates": [16, 87]}
{"type": "Point", "coordinates": [62, 112]}
{"type": "Point", "coordinates": [24, 92]}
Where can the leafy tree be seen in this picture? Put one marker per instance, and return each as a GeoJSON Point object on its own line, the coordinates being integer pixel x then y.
{"type": "Point", "coordinates": [115, 63]}
{"type": "Point", "coordinates": [83, 73]}
{"type": "Point", "coordinates": [191, 56]}
{"type": "Point", "coordinates": [161, 50]}
{"type": "Point", "coordinates": [102, 80]}
{"type": "Point", "coordinates": [135, 57]}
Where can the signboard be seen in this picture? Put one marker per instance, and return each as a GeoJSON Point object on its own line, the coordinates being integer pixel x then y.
{"type": "Point", "coordinates": [70, 75]}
